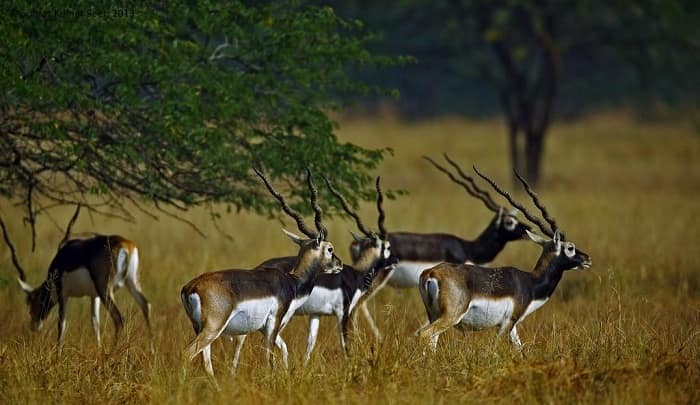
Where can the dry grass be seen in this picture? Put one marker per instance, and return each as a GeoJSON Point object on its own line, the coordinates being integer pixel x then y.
{"type": "Point", "coordinates": [626, 331]}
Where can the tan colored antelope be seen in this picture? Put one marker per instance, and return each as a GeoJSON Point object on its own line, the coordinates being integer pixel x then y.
{"type": "Point", "coordinates": [339, 294]}
{"type": "Point", "coordinates": [234, 303]}
{"type": "Point", "coordinates": [93, 267]}
{"type": "Point", "coordinates": [472, 297]}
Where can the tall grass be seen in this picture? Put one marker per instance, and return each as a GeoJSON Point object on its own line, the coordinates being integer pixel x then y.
{"type": "Point", "coordinates": [627, 330]}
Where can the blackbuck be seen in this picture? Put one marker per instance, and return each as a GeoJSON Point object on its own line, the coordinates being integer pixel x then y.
{"type": "Point", "coordinates": [472, 297]}
{"type": "Point", "coordinates": [92, 267]}
{"type": "Point", "coordinates": [234, 303]}
{"type": "Point", "coordinates": [340, 294]}
{"type": "Point", "coordinates": [419, 251]}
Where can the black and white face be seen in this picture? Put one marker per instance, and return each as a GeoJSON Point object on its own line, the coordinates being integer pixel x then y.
{"type": "Point", "coordinates": [371, 248]}
{"type": "Point", "coordinates": [509, 228]}
{"type": "Point", "coordinates": [565, 251]}
{"type": "Point", "coordinates": [577, 259]}
{"type": "Point", "coordinates": [39, 303]}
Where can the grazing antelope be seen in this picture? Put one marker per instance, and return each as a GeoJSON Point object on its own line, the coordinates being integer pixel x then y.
{"type": "Point", "coordinates": [419, 251]}
{"type": "Point", "coordinates": [235, 303]}
{"type": "Point", "coordinates": [94, 267]}
{"type": "Point", "coordinates": [472, 297]}
{"type": "Point", "coordinates": [339, 294]}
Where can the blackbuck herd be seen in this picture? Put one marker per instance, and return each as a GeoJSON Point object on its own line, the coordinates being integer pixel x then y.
{"type": "Point", "coordinates": [456, 287]}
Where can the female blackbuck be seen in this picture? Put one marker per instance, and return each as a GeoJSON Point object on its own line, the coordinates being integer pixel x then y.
{"type": "Point", "coordinates": [419, 251]}
{"type": "Point", "coordinates": [472, 297]}
{"type": "Point", "coordinates": [339, 294]}
{"type": "Point", "coordinates": [235, 303]}
{"type": "Point", "coordinates": [93, 267]}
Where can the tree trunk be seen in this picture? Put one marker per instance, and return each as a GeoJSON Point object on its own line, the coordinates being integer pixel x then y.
{"type": "Point", "coordinates": [534, 146]}
{"type": "Point", "coordinates": [516, 151]}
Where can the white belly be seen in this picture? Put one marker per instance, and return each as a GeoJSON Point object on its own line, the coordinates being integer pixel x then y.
{"type": "Point", "coordinates": [77, 283]}
{"type": "Point", "coordinates": [483, 313]}
{"type": "Point", "coordinates": [407, 274]}
{"type": "Point", "coordinates": [322, 301]}
{"type": "Point", "coordinates": [251, 315]}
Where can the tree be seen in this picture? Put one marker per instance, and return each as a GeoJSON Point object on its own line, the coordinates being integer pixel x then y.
{"type": "Point", "coordinates": [521, 47]}
{"type": "Point", "coordinates": [169, 107]}
{"type": "Point", "coordinates": [531, 51]}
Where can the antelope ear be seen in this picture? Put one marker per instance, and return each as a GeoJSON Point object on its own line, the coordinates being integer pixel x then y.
{"type": "Point", "coordinates": [536, 238]}
{"type": "Point", "coordinates": [499, 218]}
{"type": "Point", "coordinates": [355, 237]}
{"type": "Point", "coordinates": [296, 239]}
{"type": "Point", "coordinates": [26, 287]}
{"type": "Point", "coordinates": [557, 239]}
{"type": "Point", "coordinates": [514, 212]}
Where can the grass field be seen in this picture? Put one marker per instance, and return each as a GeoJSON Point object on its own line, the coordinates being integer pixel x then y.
{"type": "Point", "coordinates": [626, 331]}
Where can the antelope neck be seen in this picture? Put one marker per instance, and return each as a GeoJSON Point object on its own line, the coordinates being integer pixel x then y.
{"type": "Point", "coordinates": [546, 276]}
{"type": "Point", "coordinates": [486, 246]}
{"type": "Point", "coordinates": [47, 298]}
{"type": "Point", "coordinates": [365, 264]}
{"type": "Point", "coordinates": [368, 274]}
{"type": "Point", "coordinates": [306, 274]}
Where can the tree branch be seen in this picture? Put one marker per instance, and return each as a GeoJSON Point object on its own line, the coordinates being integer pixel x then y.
{"type": "Point", "coordinates": [15, 259]}
{"type": "Point", "coordinates": [70, 225]}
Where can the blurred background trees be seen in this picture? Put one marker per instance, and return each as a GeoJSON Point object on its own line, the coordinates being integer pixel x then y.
{"type": "Point", "coordinates": [532, 60]}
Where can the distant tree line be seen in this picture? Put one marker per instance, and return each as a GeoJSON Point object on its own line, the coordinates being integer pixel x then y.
{"type": "Point", "coordinates": [531, 60]}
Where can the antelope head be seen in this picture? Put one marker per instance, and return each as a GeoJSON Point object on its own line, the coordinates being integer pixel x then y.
{"type": "Point", "coordinates": [560, 252]}
{"type": "Point", "coordinates": [40, 300]}
{"type": "Point", "coordinates": [314, 251]}
{"type": "Point", "coordinates": [371, 247]}
{"type": "Point", "coordinates": [556, 250]}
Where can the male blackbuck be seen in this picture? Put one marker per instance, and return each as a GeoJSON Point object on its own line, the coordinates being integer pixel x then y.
{"type": "Point", "coordinates": [339, 294]}
{"type": "Point", "coordinates": [235, 303]}
{"type": "Point", "coordinates": [94, 267]}
{"type": "Point", "coordinates": [419, 251]}
{"type": "Point", "coordinates": [472, 297]}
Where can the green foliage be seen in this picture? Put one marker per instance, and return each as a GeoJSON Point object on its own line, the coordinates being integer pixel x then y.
{"type": "Point", "coordinates": [173, 105]}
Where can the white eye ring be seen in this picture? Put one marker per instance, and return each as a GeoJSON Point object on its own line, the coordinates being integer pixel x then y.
{"type": "Point", "coordinates": [570, 250]}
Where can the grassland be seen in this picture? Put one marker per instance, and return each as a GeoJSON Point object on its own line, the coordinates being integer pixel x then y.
{"type": "Point", "coordinates": [628, 330]}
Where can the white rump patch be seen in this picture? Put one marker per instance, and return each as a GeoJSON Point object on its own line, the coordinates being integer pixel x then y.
{"type": "Point", "coordinates": [486, 313]}
{"type": "Point", "coordinates": [133, 265]}
{"type": "Point", "coordinates": [78, 283]}
{"type": "Point", "coordinates": [407, 274]}
{"type": "Point", "coordinates": [122, 256]}
{"type": "Point", "coordinates": [194, 307]}
{"type": "Point", "coordinates": [250, 315]}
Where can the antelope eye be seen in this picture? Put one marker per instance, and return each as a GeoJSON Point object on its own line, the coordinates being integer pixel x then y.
{"type": "Point", "coordinates": [330, 249]}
